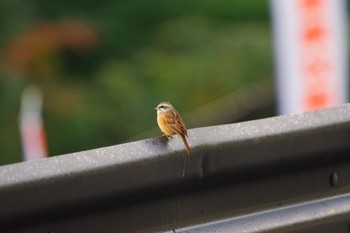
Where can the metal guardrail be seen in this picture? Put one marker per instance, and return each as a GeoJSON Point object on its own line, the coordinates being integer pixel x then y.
{"type": "Point", "coordinates": [281, 174]}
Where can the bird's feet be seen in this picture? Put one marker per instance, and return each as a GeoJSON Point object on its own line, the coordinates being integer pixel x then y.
{"type": "Point", "coordinates": [167, 136]}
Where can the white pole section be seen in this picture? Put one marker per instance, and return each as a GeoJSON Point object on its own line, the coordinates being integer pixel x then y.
{"type": "Point", "coordinates": [311, 55]}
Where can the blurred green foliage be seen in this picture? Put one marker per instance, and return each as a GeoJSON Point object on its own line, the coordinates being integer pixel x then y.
{"type": "Point", "coordinates": [104, 65]}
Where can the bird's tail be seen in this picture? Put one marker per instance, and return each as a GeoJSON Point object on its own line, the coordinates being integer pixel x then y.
{"type": "Point", "coordinates": [183, 137]}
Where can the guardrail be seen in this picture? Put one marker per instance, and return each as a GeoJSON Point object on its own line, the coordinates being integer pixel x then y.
{"type": "Point", "coordinates": [281, 174]}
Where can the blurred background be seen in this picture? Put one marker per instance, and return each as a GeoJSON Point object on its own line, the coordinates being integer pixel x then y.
{"type": "Point", "coordinates": [100, 68]}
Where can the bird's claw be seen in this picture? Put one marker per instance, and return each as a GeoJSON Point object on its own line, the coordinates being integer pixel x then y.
{"type": "Point", "coordinates": [167, 136]}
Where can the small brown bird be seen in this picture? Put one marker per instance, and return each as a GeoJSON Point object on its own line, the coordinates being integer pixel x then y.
{"type": "Point", "coordinates": [170, 123]}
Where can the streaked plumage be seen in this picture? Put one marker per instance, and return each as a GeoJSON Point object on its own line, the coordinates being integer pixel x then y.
{"type": "Point", "coordinates": [170, 123]}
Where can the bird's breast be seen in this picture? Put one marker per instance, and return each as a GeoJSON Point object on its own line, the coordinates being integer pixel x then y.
{"type": "Point", "coordinates": [162, 123]}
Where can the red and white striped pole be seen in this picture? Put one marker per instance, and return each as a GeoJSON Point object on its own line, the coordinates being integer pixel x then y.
{"type": "Point", "coordinates": [31, 125]}
{"type": "Point", "coordinates": [311, 54]}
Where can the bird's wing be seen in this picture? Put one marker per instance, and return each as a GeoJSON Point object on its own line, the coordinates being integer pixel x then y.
{"type": "Point", "coordinates": [174, 121]}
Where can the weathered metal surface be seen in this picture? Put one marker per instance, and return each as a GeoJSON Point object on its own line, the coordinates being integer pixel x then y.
{"type": "Point", "coordinates": [281, 174]}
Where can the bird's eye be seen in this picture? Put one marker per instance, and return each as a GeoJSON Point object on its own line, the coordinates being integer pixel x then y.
{"type": "Point", "coordinates": [161, 106]}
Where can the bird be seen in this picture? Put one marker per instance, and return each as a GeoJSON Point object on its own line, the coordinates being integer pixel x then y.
{"type": "Point", "coordinates": [170, 123]}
